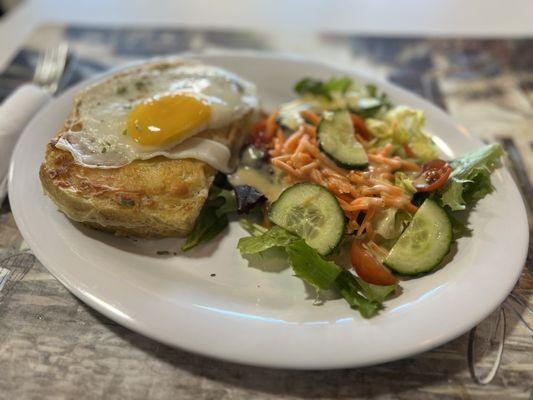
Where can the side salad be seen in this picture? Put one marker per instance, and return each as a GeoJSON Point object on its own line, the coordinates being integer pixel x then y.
{"type": "Point", "coordinates": [340, 169]}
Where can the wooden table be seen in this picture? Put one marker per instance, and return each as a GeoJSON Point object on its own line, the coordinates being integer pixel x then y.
{"type": "Point", "coordinates": [53, 346]}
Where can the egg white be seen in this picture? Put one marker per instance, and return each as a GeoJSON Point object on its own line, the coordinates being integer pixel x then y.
{"type": "Point", "coordinates": [96, 134]}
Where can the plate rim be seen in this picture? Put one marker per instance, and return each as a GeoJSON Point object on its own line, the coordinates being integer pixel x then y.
{"type": "Point", "coordinates": [138, 327]}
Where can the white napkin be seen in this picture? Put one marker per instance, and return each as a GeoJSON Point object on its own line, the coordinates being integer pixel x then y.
{"type": "Point", "coordinates": [15, 113]}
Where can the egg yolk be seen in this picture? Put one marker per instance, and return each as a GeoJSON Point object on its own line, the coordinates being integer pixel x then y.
{"type": "Point", "coordinates": [167, 119]}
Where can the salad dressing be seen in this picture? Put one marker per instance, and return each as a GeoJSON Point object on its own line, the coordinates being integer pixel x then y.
{"type": "Point", "coordinates": [257, 178]}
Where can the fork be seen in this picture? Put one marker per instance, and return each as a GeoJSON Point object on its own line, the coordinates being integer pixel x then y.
{"type": "Point", "coordinates": [17, 110]}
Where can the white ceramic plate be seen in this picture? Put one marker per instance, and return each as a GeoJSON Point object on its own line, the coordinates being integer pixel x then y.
{"type": "Point", "coordinates": [267, 318]}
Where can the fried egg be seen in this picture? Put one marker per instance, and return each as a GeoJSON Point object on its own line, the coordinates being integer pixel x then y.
{"type": "Point", "coordinates": [150, 111]}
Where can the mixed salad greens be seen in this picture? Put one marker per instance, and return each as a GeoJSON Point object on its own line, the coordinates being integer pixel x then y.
{"type": "Point", "coordinates": [354, 173]}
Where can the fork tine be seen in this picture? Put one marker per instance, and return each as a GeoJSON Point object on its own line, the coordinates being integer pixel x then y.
{"type": "Point", "coordinates": [62, 50]}
{"type": "Point", "coordinates": [47, 64]}
{"type": "Point", "coordinates": [59, 64]}
{"type": "Point", "coordinates": [50, 67]}
{"type": "Point", "coordinates": [37, 75]}
{"type": "Point", "coordinates": [53, 66]}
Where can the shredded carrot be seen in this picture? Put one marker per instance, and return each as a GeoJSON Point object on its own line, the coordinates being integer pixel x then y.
{"type": "Point", "coordinates": [283, 157]}
{"type": "Point", "coordinates": [352, 221]}
{"type": "Point", "coordinates": [394, 163]}
{"type": "Point", "coordinates": [377, 249]}
{"type": "Point", "coordinates": [310, 130]}
{"type": "Point", "coordinates": [386, 150]}
{"type": "Point", "coordinates": [308, 167]}
{"type": "Point", "coordinates": [271, 124]}
{"type": "Point", "coordinates": [369, 191]}
{"type": "Point", "coordinates": [410, 166]}
{"type": "Point", "coordinates": [366, 222]}
{"type": "Point", "coordinates": [286, 167]}
{"type": "Point", "coordinates": [277, 143]}
{"type": "Point", "coordinates": [301, 159]}
{"type": "Point", "coordinates": [292, 142]}
{"type": "Point", "coordinates": [369, 230]}
{"type": "Point", "coordinates": [310, 116]}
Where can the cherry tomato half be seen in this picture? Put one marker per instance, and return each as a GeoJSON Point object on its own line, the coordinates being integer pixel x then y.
{"type": "Point", "coordinates": [368, 267]}
{"type": "Point", "coordinates": [258, 134]}
{"type": "Point", "coordinates": [259, 126]}
{"type": "Point", "coordinates": [434, 175]}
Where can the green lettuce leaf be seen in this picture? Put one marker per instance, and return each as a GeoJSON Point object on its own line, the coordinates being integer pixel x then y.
{"type": "Point", "coordinates": [274, 237]}
{"type": "Point", "coordinates": [389, 223]}
{"type": "Point", "coordinates": [211, 232]}
{"type": "Point", "coordinates": [311, 267]}
{"type": "Point", "coordinates": [403, 125]}
{"type": "Point", "coordinates": [321, 88]}
{"type": "Point", "coordinates": [366, 101]}
{"type": "Point", "coordinates": [470, 179]}
{"type": "Point", "coordinates": [314, 269]}
{"type": "Point", "coordinates": [337, 92]}
{"type": "Point", "coordinates": [408, 127]}
{"type": "Point", "coordinates": [375, 292]}
{"type": "Point", "coordinates": [213, 218]}
{"type": "Point", "coordinates": [459, 224]}
{"type": "Point", "coordinates": [251, 228]}
{"type": "Point", "coordinates": [349, 288]}
{"type": "Point", "coordinates": [402, 180]}
{"type": "Point", "coordinates": [208, 225]}
{"type": "Point", "coordinates": [324, 275]}
{"type": "Point", "coordinates": [452, 195]}
{"type": "Point", "coordinates": [230, 203]}
{"type": "Point", "coordinates": [379, 129]}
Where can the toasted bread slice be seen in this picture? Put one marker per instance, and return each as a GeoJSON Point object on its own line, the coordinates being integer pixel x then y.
{"type": "Point", "coordinates": [150, 198]}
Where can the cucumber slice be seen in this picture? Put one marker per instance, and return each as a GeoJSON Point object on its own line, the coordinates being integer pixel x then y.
{"type": "Point", "coordinates": [311, 212]}
{"type": "Point", "coordinates": [336, 138]}
{"type": "Point", "coordinates": [424, 243]}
